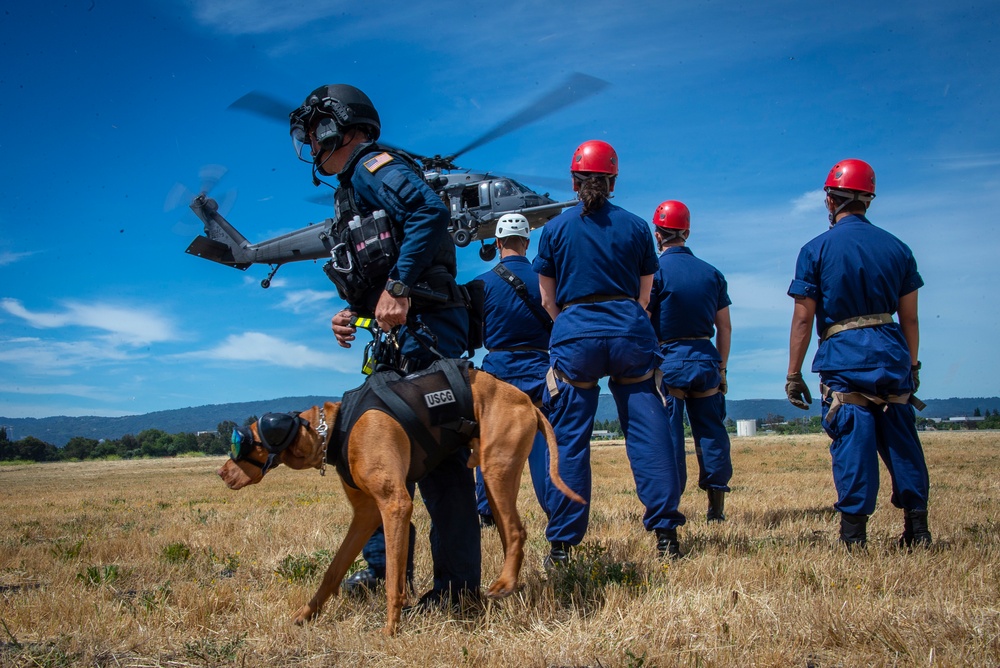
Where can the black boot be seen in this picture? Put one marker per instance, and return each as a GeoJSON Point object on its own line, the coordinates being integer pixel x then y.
{"type": "Point", "coordinates": [915, 531]}
{"type": "Point", "coordinates": [362, 582]}
{"type": "Point", "coordinates": [716, 505]}
{"type": "Point", "coordinates": [667, 545]}
{"type": "Point", "coordinates": [854, 530]}
{"type": "Point", "coordinates": [558, 556]}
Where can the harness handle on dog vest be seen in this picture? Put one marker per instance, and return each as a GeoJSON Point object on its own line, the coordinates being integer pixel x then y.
{"type": "Point", "coordinates": [837, 399]}
{"type": "Point", "coordinates": [857, 322]}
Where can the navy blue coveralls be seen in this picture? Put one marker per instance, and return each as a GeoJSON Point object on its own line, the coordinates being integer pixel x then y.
{"type": "Point", "coordinates": [687, 295]}
{"type": "Point", "coordinates": [857, 269]}
{"type": "Point", "coordinates": [602, 330]}
{"type": "Point", "coordinates": [426, 255]}
{"type": "Point", "coordinates": [518, 352]}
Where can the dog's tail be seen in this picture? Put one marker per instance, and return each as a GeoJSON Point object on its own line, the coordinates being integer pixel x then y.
{"type": "Point", "coordinates": [550, 440]}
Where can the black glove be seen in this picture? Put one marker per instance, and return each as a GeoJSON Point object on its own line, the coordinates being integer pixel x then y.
{"type": "Point", "coordinates": [723, 384]}
{"type": "Point", "coordinates": [915, 374]}
{"type": "Point", "coordinates": [797, 391]}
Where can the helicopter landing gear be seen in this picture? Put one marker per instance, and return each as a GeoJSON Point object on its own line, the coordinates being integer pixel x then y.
{"type": "Point", "coordinates": [462, 237]}
{"type": "Point", "coordinates": [266, 283]}
{"type": "Point", "coordinates": [487, 253]}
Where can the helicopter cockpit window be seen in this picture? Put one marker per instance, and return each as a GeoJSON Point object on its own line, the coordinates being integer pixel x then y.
{"type": "Point", "coordinates": [504, 188]}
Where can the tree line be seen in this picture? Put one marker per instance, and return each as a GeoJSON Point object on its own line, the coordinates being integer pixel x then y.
{"type": "Point", "coordinates": [147, 443]}
{"type": "Point", "coordinates": [158, 443]}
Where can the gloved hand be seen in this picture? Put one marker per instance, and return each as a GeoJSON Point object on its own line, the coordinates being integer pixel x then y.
{"type": "Point", "coordinates": [915, 374]}
{"type": "Point", "coordinates": [723, 384]}
{"type": "Point", "coordinates": [797, 391]}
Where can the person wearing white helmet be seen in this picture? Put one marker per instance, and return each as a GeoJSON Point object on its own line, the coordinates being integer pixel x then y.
{"type": "Point", "coordinates": [516, 336]}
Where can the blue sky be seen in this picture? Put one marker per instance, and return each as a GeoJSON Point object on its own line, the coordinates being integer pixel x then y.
{"type": "Point", "coordinates": [737, 109]}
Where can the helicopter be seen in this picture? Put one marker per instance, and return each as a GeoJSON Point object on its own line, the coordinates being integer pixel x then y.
{"type": "Point", "coordinates": [476, 199]}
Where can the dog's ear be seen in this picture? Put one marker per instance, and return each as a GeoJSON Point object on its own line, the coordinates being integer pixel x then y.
{"type": "Point", "coordinates": [306, 451]}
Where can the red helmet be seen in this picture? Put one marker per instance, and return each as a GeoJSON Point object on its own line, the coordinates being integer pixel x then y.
{"type": "Point", "coordinates": [596, 157]}
{"type": "Point", "coordinates": [672, 215]}
{"type": "Point", "coordinates": [856, 176]}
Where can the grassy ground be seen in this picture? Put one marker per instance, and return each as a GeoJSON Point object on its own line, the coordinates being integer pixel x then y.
{"type": "Point", "coordinates": [156, 563]}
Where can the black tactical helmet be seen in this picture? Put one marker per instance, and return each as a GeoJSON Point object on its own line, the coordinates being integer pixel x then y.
{"type": "Point", "coordinates": [344, 105]}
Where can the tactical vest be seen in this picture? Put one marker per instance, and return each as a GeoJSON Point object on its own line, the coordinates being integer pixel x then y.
{"type": "Point", "coordinates": [434, 407]}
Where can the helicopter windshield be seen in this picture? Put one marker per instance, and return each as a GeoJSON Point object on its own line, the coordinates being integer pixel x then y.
{"type": "Point", "coordinates": [508, 188]}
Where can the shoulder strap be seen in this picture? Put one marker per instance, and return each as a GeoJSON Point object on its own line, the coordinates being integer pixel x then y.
{"type": "Point", "coordinates": [521, 290]}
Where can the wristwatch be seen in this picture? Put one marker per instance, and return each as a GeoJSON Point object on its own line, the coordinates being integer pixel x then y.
{"type": "Point", "coordinates": [397, 288]}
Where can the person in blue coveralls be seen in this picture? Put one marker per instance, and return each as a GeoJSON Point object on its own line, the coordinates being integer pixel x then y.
{"type": "Point", "coordinates": [596, 263]}
{"type": "Point", "coordinates": [339, 125]}
{"type": "Point", "coordinates": [690, 305]}
{"type": "Point", "coordinates": [516, 335]}
{"type": "Point", "coordinates": [851, 280]}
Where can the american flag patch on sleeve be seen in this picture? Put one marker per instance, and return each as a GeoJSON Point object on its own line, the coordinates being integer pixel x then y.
{"type": "Point", "coordinates": [380, 160]}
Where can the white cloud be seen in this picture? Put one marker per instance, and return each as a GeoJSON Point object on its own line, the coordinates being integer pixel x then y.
{"type": "Point", "coordinates": [301, 301]}
{"type": "Point", "coordinates": [130, 325]}
{"type": "Point", "coordinates": [260, 348]}
{"type": "Point", "coordinates": [809, 203]}
{"type": "Point", "coordinates": [7, 257]}
{"type": "Point", "coordinates": [61, 358]}
{"type": "Point", "coordinates": [254, 17]}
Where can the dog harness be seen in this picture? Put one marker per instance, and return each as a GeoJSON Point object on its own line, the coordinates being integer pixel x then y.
{"type": "Point", "coordinates": [434, 407]}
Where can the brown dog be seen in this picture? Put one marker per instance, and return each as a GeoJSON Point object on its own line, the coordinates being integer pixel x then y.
{"type": "Point", "coordinates": [379, 456]}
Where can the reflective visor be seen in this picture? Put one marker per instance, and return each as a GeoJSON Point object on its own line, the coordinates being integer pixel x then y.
{"type": "Point", "coordinates": [240, 443]}
{"type": "Point", "coordinates": [300, 121]}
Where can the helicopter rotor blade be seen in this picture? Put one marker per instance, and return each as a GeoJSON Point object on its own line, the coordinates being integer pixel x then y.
{"type": "Point", "coordinates": [576, 88]}
{"type": "Point", "coordinates": [265, 105]}
{"type": "Point", "coordinates": [210, 176]}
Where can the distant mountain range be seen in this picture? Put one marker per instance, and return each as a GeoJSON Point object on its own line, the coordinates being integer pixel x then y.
{"type": "Point", "coordinates": [58, 430]}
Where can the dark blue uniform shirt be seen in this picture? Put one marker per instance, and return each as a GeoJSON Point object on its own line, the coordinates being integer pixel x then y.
{"type": "Point", "coordinates": [687, 294]}
{"type": "Point", "coordinates": [856, 269]}
{"type": "Point", "coordinates": [394, 186]}
{"type": "Point", "coordinates": [602, 255]}
{"type": "Point", "coordinates": [509, 323]}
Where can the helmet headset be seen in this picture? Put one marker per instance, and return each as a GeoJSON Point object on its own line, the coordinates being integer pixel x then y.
{"type": "Point", "coordinates": [326, 114]}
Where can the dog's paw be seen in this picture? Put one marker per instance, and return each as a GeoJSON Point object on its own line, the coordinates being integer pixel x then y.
{"type": "Point", "coordinates": [501, 589]}
{"type": "Point", "coordinates": [304, 614]}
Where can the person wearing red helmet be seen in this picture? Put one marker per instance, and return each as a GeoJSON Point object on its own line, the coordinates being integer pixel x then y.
{"type": "Point", "coordinates": [851, 280]}
{"type": "Point", "coordinates": [596, 263]}
{"type": "Point", "coordinates": [690, 305]}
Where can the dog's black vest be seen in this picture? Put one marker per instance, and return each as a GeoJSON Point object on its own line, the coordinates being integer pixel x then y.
{"type": "Point", "coordinates": [434, 406]}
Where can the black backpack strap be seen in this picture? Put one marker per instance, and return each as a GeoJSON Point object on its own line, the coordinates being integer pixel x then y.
{"type": "Point", "coordinates": [466, 425]}
{"type": "Point", "coordinates": [521, 290]}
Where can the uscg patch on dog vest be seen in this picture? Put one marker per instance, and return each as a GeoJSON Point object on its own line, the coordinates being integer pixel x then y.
{"type": "Point", "coordinates": [438, 398]}
{"type": "Point", "coordinates": [379, 161]}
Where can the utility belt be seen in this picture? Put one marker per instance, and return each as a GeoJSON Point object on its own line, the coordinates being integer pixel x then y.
{"type": "Point", "coordinates": [555, 374]}
{"type": "Point", "coordinates": [857, 322]}
{"type": "Point", "coordinates": [597, 299]}
{"type": "Point", "coordinates": [685, 338]}
{"type": "Point", "coordinates": [837, 399]}
{"type": "Point", "coordinates": [678, 393]}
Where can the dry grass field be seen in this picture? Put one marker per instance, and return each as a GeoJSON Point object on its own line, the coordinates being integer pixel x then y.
{"type": "Point", "coordinates": [157, 563]}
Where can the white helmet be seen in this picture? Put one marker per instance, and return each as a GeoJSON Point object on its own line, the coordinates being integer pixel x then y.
{"type": "Point", "coordinates": [512, 225]}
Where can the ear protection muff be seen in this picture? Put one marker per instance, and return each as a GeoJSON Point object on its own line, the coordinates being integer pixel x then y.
{"type": "Point", "coordinates": [278, 430]}
{"type": "Point", "coordinates": [328, 134]}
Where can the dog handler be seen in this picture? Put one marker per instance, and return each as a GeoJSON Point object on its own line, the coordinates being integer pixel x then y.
{"type": "Point", "coordinates": [596, 263]}
{"type": "Point", "coordinates": [340, 125]}
{"type": "Point", "coordinates": [690, 304]}
{"type": "Point", "coordinates": [516, 335]}
{"type": "Point", "coordinates": [851, 279]}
